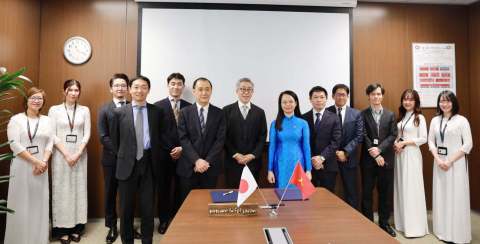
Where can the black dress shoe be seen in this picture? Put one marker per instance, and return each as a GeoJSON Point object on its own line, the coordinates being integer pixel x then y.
{"type": "Point", "coordinates": [387, 228]}
{"type": "Point", "coordinates": [112, 235]}
{"type": "Point", "coordinates": [75, 237]}
{"type": "Point", "coordinates": [162, 228]}
{"type": "Point", "coordinates": [64, 241]}
{"type": "Point", "coordinates": [137, 235]}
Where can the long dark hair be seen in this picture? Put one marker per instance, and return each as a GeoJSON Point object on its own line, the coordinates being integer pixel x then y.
{"type": "Point", "coordinates": [416, 110]}
{"type": "Point", "coordinates": [450, 96]}
{"type": "Point", "coordinates": [280, 114]}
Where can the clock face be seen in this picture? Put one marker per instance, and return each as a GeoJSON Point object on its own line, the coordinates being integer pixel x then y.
{"type": "Point", "coordinates": [77, 50]}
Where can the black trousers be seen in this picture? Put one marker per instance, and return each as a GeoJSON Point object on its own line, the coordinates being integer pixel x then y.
{"type": "Point", "coordinates": [233, 175]}
{"type": "Point", "coordinates": [383, 179]}
{"type": "Point", "coordinates": [349, 181]}
{"type": "Point", "coordinates": [110, 198]}
{"type": "Point", "coordinates": [167, 191]}
{"type": "Point", "coordinates": [139, 183]}
{"type": "Point", "coordinates": [59, 232]}
{"type": "Point", "coordinates": [323, 178]}
{"type": "Point", "coordinates": [196, 181]}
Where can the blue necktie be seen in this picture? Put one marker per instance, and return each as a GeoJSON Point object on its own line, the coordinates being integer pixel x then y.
{"type": "Point", "coordinates": [317, 121]}
{"type": "Point", "coordinates": [202, 120]}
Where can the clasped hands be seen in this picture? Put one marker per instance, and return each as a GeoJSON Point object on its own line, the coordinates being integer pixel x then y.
{"type": "Point", "coordinates": [201, 166]}
{"type": "Point", "coordinates": [243, 159]}
{"type": "Point", "coordinates": [375, 153]}
{"type": "Point", "coordinates": [72, 158]}
{"type": "Point", "coordinates": [176, 153]}
{"type": "Point", "coordinates": [39, 167]}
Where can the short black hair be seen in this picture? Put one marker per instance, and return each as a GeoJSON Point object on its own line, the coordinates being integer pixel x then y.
{"type": "Point", "coordinates": [140, 77]}
{"type": "Point", "coordinates": [118, 76]}
{"type": "Point", "coordinates": [201, 78]}
{"type": "Point", "coordinates": [372, 87]}
{"type": "Point", "coordinates": [340, 86]}
{"type": "Point", "coordinates": [450, 96]}
{"type": "Point", "coordinates": [177, 76]}
{"type": "Point", "coordinates": [317, 89]}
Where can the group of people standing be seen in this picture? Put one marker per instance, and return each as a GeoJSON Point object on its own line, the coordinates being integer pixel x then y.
{"type": "Point", "coordinates": [164, 150]}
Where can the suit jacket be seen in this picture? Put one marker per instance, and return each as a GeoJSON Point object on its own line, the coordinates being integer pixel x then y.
{"type": "Point", "coordinates": [245, 136]}
{"type": "Point", "coordinates": [195, 145]}
{"type": "Point", "coordinates": [325, 141]}
{"type": "Point", "coordinates": [124, 140]}
{"type": "Point", "coordinates": [386, 135]}
{"type": "Point", "coordinates": [352, 135]}
{"type": "Point", "coordinates": [170, 137]}
{"type": "Point", "coordinates": [104, 121]}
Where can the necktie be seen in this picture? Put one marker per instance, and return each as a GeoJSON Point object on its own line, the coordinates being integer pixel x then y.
{"type": "Point", "coordinates": [317, 121]}
{"type": "Point", "coordinates": [176, 111]}
{"type": "Point", "coordinates": [121, 103]}
{"type": "Point", "coordinates": [139, 132]}
{"type": "Point", "coordinates": [202, 120]}
{"type": "Point", "coordinates": [340, 116]}
{"type": "Point", "coordinates": [244, 111]}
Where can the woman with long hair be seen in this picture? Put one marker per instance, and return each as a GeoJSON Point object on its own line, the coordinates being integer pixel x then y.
{"type": "Point", "coordinates": [289, 141]}
{"type": "Point", "coordinates": [31, 135]}
{"type": "Point", "coordinates": [69, 165]}
{"type": "Point", "coordinates": [450, 140]}
{"type": "Point", "coordinates": [410, 212]}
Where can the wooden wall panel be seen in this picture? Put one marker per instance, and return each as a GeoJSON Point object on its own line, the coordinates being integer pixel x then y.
{"type": "Point", "coordinates": [19, 47]}
{"type": "Point", "coordinates": [104, 24]}
{"type": "Point", "coordinates": [474, 51]}
{"type": "Point", "coordinates": [382, 38]}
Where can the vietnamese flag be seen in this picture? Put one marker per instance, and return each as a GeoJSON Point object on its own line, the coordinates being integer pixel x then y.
{"type": "Point", "coordinates": [299, 179]}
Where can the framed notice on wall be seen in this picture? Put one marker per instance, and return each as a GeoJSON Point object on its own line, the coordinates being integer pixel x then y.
{"type": "Point", "coordinates": [433, 70]}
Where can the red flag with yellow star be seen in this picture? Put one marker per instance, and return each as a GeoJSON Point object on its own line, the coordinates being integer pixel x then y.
{"type": "Point", "coordinates": [299, 179]}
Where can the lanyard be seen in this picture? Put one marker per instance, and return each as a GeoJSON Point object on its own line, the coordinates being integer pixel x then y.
{"type": "Point", "coordinates": [28, 129]}
{"type": "Point", "coordinates": [442, 132]}
{"type": "Point", "coordinates": [71, 122]}
{"type": "Point", "coordinates": [402, 128]}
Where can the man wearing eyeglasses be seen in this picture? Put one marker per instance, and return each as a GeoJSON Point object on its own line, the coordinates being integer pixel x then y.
{"type": "Point", "coordinates": [246, 134]}
{"type": "Point", "coordinates": [118, 88]}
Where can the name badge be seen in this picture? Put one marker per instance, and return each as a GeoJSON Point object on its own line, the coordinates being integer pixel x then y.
{"type": "Point", "coordinates": [32, 149]}
{"type": "Point", "coordinates": [375, 142]}
{"type": "Point", "coordinates": [71, 138]}
{"type": "Point", "coordinates": [442, 151]}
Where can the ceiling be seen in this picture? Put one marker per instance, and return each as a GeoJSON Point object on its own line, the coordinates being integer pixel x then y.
{"type": "Point", "coordinates": [453, 2]}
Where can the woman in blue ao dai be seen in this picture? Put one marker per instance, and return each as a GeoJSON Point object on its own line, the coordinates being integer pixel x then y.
{"type": "Point", "coordinates": [289, 142]}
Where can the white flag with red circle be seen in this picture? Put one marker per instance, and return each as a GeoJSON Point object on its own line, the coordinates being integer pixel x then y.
{"type": "Point", "coordinates": [248, 185]}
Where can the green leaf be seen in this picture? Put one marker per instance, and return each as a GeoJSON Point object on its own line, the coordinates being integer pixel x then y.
{"type": "Point", "coordinates": [4, 209]}
{"type": "Point", "coordinates": [6, 156]}
{"type": "Point", "coordinates": [5, 144]}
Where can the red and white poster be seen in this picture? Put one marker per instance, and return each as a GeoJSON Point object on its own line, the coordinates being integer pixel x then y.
{"type": "Point", "coordinates": [433, 70]}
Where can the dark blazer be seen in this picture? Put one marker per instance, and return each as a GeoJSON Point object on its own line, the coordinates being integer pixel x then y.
{"type": "Point", "coordinates": [352, 134]}
{"type": "Point", "coordinates": [245, 135]}
{"type": "Point", "coordinates": [168, 120]}
{"type": "Point", "coordinates": [104, 121]}
{"type": "Point", "coordinates": [195, 145]}
{"type": "Point", "coordinates": [326, 141]}
{"type": "Point", "coordinates": [386, 138]}
{"type": "Point", "coordinates": [124, 140]}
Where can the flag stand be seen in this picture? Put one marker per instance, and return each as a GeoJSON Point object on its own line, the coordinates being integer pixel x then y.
{"type": "Point", "coordinates": [273, 212]}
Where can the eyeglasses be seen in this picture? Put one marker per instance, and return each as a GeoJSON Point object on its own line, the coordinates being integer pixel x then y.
{"type": "Point", "coordinates": [120, 86]}
{"type": "Point", "coordinates": [245, 90]}
{"type": "Point", "coordinates": [35, 99]}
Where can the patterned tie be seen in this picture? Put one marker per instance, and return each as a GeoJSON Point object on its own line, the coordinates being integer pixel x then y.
{"type": "Point", "coordinates": [176, 111]}
{"type": "Point", "coordinates": [340, 116]}
{"type": "Point", "coordinates": [317, 121]}
{"type": "Point", "coordinates": [244, 111]}
{"type": "Point", "coordinates": [139, 132]}
{"type": "Point", "coordinates": [202, 120]}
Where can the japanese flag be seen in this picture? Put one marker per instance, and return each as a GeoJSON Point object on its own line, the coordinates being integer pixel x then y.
{"type": "Point", "coordinates": [248, 185]}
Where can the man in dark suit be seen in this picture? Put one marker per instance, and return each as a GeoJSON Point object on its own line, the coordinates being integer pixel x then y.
{"type": "Point", "coordinates": [351, 122]}
{"type": "Point", "coordinates": [119, 89]}
{"type": "Point", "coordinates": [201, 129]}
{"type": "Point", "coordinates": [246, 135]}
{"type": "Point", "coordinates": [377, 160]}
{"type": "Point", "coordinates": [170, 108]}
{"type": "Point", "coordinates": [325, 133]}
{"type": "Point", "coordinates": [137, 143]}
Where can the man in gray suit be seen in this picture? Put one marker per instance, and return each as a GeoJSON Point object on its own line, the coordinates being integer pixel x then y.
{"type": "Point", "coordinates": [137, 143]}
{"type": "Point", "coordinates": [351, 122]}
{"type": "Point", "coordinates": [380, 132]}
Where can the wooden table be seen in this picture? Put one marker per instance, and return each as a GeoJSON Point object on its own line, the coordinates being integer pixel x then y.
{"type": "Point", "coordinates": [323, 219]}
